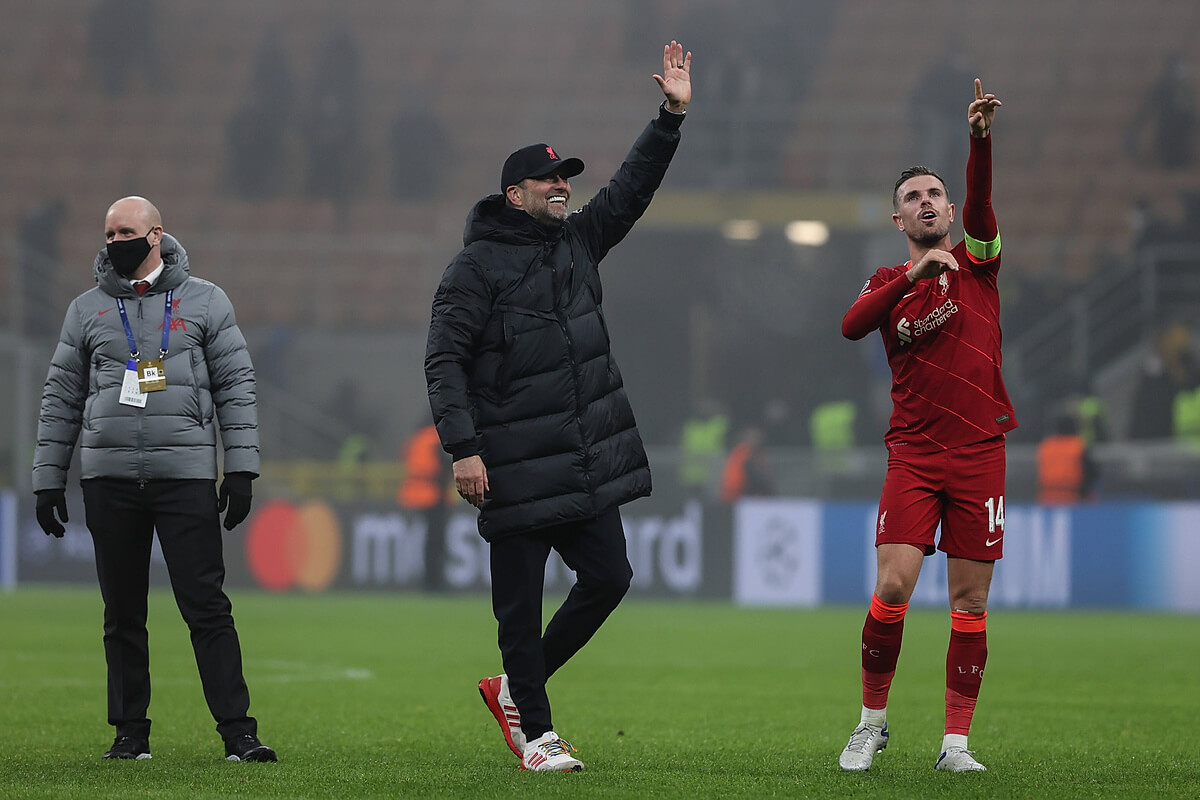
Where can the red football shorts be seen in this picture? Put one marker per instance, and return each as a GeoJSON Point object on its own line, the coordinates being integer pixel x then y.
{"type": "Point", "coordinates": [962, 489]}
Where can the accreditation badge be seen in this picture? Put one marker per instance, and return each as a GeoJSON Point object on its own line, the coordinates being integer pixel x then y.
{"type": "Point", "coordinates": [131, 393]}
{"type": "Point", "coordinates": [152, 376]}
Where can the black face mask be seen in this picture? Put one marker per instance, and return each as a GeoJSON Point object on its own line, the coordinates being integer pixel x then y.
{"type": "Point", "coordinates": [128, 254]}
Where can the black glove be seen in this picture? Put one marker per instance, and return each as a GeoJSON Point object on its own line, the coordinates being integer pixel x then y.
{"type": "Point", "coordinates": [235, 492]}
{"type": "Point", "coordinates": [48, 500]}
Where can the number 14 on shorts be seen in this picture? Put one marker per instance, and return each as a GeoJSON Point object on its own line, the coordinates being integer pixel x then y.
{"type": "Point", "coordinates": [995, 509]}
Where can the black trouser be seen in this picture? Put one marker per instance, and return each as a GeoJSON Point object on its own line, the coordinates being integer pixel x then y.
{"type": "Point", "coordinates": [595, 550]}
{"type": "Point", "coordinates": [123, 519]}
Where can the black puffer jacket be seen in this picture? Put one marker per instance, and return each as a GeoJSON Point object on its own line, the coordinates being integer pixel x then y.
{"type": "Point", "coordinates": [518, 360]}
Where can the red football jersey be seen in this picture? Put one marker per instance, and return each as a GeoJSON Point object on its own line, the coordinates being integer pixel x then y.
{"type": "Point", "coordinates": [942, 335]}
{"type": "Point", "coordinates": [943, 344]}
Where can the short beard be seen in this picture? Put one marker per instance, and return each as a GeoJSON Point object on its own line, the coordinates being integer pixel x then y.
{"type": "Point", "coordinates": [546, 218]}
{"type": "Point", "coordinates": [931, 237]}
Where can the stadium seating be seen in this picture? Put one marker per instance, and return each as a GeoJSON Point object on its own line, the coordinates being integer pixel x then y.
{"type": "Point", "coordinates": [1064, 189]}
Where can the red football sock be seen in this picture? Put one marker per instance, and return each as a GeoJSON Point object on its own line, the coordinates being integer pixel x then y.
{"type": "Point", "coordinates": [965, 659]}
{"type": "Point", "coordinates": [881, 637]}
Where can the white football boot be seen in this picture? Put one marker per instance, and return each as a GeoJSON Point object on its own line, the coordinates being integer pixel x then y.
{"type": "Point", "coordinates": [865, 742]}
{"type": "Point", "coordinates": [549, 753]}
{"type": "Point", "coordinates": [958, 759]}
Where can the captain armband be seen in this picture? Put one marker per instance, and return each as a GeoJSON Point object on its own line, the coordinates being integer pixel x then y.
{"type": "Point", "coordinates": [982, 251]}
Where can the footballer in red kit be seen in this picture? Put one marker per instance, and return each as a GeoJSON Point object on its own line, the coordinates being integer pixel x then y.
{"type": "Point", "coordinates": [939, 316]}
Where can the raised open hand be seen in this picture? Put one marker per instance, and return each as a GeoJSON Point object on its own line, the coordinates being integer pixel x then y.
{"type": "Point", "coordinates": [676, 78]}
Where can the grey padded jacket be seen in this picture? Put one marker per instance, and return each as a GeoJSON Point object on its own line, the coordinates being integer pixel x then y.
{"type": "Point", "coordinates": [210, 382]}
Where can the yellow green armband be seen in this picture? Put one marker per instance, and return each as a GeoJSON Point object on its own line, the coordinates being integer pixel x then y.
{"type": "Point", "coordinates": [982, 251]}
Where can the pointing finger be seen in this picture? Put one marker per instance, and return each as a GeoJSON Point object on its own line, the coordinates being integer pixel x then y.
{"type": "Point", "coordinates": [978, 89]}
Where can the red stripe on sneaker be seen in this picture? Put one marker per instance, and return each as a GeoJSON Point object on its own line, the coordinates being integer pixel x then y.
{"type": "Point", "coordinates": [489, 689]}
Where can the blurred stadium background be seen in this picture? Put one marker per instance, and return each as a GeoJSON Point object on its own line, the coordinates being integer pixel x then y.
{"type": "Point", "coordinates": [317, 160]}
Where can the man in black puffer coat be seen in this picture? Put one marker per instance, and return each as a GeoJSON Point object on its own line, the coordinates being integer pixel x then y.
{"type": "Point", "coordinates": [530, 405]}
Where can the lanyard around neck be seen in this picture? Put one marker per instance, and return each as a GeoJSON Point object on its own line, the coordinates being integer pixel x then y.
{"type": "Point", "coordinates": [166, 327]}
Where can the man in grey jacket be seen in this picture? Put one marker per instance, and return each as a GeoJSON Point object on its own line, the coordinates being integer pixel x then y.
{"type": "Point", "coordinates": [149, 364]}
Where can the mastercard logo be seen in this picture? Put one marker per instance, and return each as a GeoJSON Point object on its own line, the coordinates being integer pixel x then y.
{"type": "Point", "coordinates": [289, 546]}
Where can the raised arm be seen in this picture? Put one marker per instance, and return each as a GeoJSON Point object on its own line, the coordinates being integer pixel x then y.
{"type": "Point", "coordinates": [605, 219]}
{"type": "Point", "coordinates": [979, 221]}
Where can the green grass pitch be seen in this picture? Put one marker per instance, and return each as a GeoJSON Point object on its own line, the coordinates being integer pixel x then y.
{"type": "Point", "coordinates": [373, 695]}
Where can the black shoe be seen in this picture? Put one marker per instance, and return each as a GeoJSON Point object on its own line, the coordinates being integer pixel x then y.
{"type": "Point", "coordinates": [247, 747]}
{"type": "Point", "coordinates": [129, 747]}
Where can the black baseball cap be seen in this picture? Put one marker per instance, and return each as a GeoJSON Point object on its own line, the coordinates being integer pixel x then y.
{"type": "Point", "coordinates": [536, 161]}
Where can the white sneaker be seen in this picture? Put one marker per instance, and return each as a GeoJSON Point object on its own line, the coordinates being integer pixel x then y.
{"type": "Point", "coordinates": [865, 742]}
{"type": "Point", "coordinates": [958, 759]}
{"type": "Point", "coordinates": [548, 753]}
{"type": "Point", "coordinates": [495, 693]}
